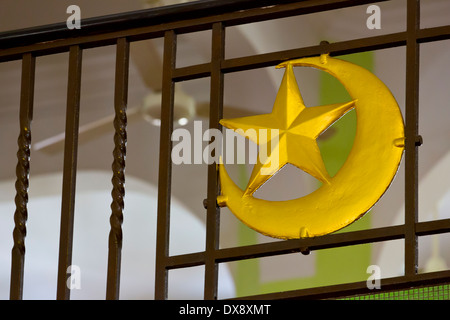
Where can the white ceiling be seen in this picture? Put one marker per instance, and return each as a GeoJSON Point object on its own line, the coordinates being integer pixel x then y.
{"type": "Point", "coordinates": [253, 90]}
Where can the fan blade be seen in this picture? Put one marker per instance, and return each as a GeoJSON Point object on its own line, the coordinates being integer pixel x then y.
{"type": "Point", "coordinates": [86, 132]}
{"type": "Point", "coordinates": [148, 62]}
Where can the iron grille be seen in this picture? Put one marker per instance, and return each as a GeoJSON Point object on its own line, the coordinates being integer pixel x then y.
{"type": "Point", "coordinates": [122, 29]}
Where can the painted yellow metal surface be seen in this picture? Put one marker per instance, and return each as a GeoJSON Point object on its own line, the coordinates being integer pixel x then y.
{"type": "Point", "coordinates": [367, 173]}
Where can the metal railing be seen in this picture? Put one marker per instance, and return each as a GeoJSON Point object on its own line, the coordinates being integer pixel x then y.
{"type": "Point", "coordinates": [168, 22]}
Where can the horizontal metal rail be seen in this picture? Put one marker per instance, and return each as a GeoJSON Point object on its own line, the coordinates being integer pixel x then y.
{"type": "Point", "coordinates": [153, 23]}
{"type": "Point", "coordinates": [335, 49]}
{"type": "Point", "coordinates": [297, 245]}
{"type": "Point", "coordinates": [188, 17]}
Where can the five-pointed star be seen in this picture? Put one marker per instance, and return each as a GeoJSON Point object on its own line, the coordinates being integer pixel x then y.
{"type": "Point", "coordinates": [294, 140]}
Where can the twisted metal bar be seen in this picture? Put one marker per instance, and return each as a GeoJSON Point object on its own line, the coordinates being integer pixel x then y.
{"type": "Point", "coordinates": [118, 180]}
{"type": "Point", "coordinates": [22, 183]}
{"type": "Point", "coordinates": [21, 213]}
{"type": "Point", "coordinates": [118, 167]}
{"type": "Point", "coordinates": [22, 172]}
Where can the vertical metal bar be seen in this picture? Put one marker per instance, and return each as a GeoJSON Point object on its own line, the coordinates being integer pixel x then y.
{"type": "Point", "coordinates": [22, 171]}
{"type": "Point", "coordinates": [118, 168]}
{"type": "Point", "coordinates": [165, 167]}
{"type": "Point", "coordinates": [69, 173]}
{"type": "Point", "coordinates": [213, 211]}
{"type": "Point", "coordinates": [411, 131]}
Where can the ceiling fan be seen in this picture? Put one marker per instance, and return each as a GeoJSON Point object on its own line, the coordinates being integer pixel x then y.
{"type": "Point", "coordinates": [147, 60]}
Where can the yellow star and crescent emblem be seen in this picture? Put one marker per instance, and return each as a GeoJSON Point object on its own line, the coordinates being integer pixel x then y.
{"type": "Point", "coordinates": [297, 127]}
{"type": "Point", "coordinates": [354, 189]}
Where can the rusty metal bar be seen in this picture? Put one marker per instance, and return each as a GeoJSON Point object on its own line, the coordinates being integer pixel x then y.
{"type": "Point", "coordinates": [411, 132]}
{"type": "Point", "coordinates": [165, 167]}
{"type": "Point", "coordinates": [69, 173]}
{"type": "Point", "coordinates": [213, 212]}
{"type": "Point", "coordinates": [118, 168]}
{"type": "Point", "coordinates": [22, 172]}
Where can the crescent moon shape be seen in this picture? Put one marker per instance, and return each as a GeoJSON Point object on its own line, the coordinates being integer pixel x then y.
{"type": "Point", "coordinates": [361, 181]}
